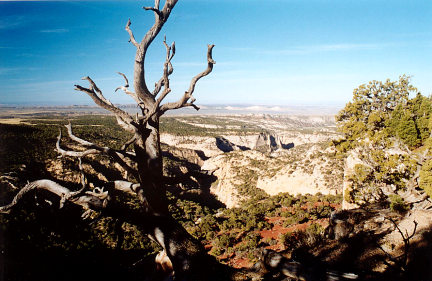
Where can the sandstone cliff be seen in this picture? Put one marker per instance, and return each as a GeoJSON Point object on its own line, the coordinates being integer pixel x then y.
{"type": "Point", "coordinates": [301, 170]}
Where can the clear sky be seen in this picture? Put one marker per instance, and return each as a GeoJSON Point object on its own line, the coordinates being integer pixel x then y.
{"type": "Point", "coordinates": [269, 52]}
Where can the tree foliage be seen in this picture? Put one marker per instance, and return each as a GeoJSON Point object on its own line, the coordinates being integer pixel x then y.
{"type": "Point", "coordinates": [426, 178]}
{"type": "Point", "coordinates": [381, 109]}
{"type": "Point", "coordinates": [389, 130]}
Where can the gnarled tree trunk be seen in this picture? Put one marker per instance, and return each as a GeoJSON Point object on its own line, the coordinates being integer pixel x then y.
{"type": "Point", "coordinates": [144, 162]}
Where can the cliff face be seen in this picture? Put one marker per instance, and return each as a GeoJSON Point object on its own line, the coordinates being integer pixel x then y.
{"type": "Point", "coordinates": [267, 142]}
{"type": "Point", "coordinates": [212, 146]}
{"type": "Point", "coordinates": [297, 182]}
{"type": "Point", "coordinates": [224, 187]}
{"type": "Point", "coordinates": [291, 156]}
{"type": "Point", "coordinates": [300, 170]}
{"type": "Point", "coordinates": [193, 156]}
{"type": "Point", "coordinates": [205, 144]}
{"type": "Point", "coordinates": [350, 162]}
{"type": "Point", "coordinates": [237, 173]}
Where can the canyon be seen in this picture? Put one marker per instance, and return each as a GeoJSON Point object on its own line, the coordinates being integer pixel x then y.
{"type": "Point", "coordinates": [274, 153]}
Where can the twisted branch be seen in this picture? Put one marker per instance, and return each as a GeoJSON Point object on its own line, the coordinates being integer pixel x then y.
{"type": "Point", "coordinates": [210, 63]}
{"type": "Point", "coordinates": [7, 179]}
{"type": "Point", "coordinates": [125, 89]}
{"type": "Point", "coordinates": [157, 12]}
{"type": "Point", "coordinates": [95, 200]}
{"type": "Point", "coordinates": [125, 159]}
{"type": "Point", "coordinates": [87, 201]}
{"type": "Point", "coordinates": [71, 153]}
{"type": "Point", "coordinates": [188, 99]}
{"type": "Point", "coordinates": [96, 95]}
{"type": "Point", "coordinates": [168, 68]}
{"type": "Point", "coordinates": [127, 187]}
{"type": "Point", "coordinates": [129, 142]}
{"type": "Point", "coordinates": [164, 81]}
{"type": "Point", "coordinates": [161, 16]}
{"type": "Point", "coordinates": [401, 261]}
{"type": "Point", "coordinates": [131, 36]}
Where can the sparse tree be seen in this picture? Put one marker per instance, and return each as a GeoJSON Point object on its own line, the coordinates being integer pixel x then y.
{"type": "Point", "coordinates": [143, 162]}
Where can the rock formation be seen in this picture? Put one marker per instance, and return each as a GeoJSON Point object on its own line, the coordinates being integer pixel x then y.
{"type": "Point", "coordinates": [267, 142]}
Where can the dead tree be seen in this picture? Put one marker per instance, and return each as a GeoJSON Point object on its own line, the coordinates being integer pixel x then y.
{"type": "Point", "coordinates": [400, 263]}
{"type": "Point", "coordinates": [143, 162]}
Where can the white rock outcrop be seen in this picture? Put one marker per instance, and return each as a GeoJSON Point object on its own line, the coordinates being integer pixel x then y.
{"type": "Point", "coordinates": [295, 183]}
{"type": "Point", "coordinates": [350, 162]}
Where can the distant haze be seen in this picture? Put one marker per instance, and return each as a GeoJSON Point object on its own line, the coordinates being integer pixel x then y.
{"type": "Point", "coordinates": [18, 110]}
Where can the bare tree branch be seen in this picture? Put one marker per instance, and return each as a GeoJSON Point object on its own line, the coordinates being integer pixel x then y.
{"type": "Point", "coordinates": [157, 12]}
{"type": "Point", "coordinates": [155, 9]}
{"type": "Point", "coordinates": [83, 178]}
{"type": "Point", "coordinates": [192, 105]}
{"type": "Point", "coordinates": [125, 159]}
{"type": "Point", "coordinates": [164, 81]}
{"type": "Point", "coordinates": [145, 164]}
{"type": "Point", "coordinates": [188, 99]}
{"type": "Point", "coordinates": [127, 81]}
{"type": "Point", "coordinates": [158, 87]}
{"type": "Point", "coordinates": [139, 69]}
{"type": "Point", "coordinates": [168, 68]}
{"type": "Point", "coordinates": [91, 200]}
{"type": "Point", "coordinates": [125, 89]}
{"type": "Point", "coordinates": [73, 153]}
{"type": "Point", "coordinates": [167, 71]}
{"type": "Point", "coordinates": [127, 187]}
{"type": "Point", "coordinates": [210, 63]}
{"type": "Point", "coordinates": [124, 125]}
{"type": "Point", "coordinates": [8, 180]}
{"type": "Point", "coordinates": [105, 149]}
{"type": "Point", "coordinates": [96, 199]}
{"type": "Point", "coordinates": [77, 139]}
{"type": "Point", "coordinates": [78, 192]}
{"type": "Point", "coordinates": [129, 142]}
{"type": "Point", "coordinates": [131, 36]}
{"type": "Point", "coordinates": [401, 261]}
{"type": "Point", "coordinates": [96, 94]}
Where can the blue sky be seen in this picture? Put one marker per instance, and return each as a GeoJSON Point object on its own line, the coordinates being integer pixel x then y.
{"type": "Point", "coordinates": [270, 52]}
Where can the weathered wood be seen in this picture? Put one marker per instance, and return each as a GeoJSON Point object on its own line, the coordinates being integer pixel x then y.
{"type": "Point", "coordinates": [187, 99]}
{"type": "Point", "coordinates": [144, 163]}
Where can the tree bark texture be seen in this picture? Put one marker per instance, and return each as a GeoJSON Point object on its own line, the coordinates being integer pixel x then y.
{"type": "Point", "coordinates": [143, 163]}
